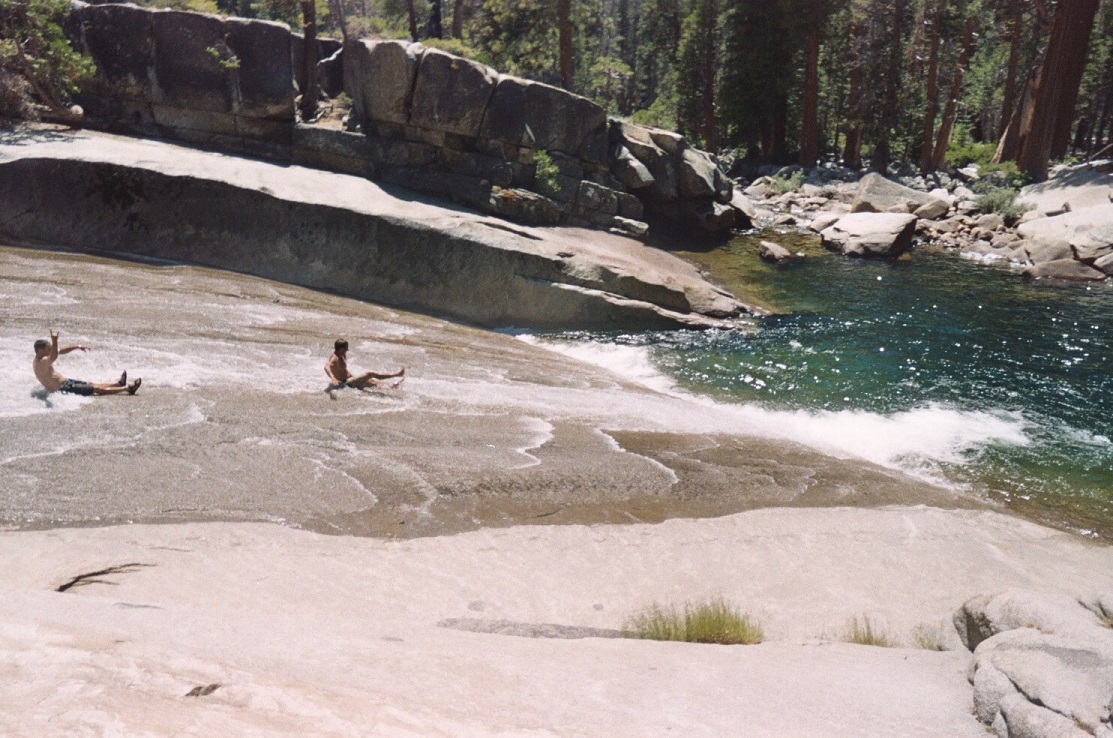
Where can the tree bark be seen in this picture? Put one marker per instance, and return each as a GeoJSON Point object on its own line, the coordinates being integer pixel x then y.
{"type": "Point", "coordinates": [949, 111]}
{"type": "Point", "coordinates": [1056, 87]}
{"type": "Point", "coordinates": [852, 152]}
{"type": "Point", "coordinates": [809, 135]}
{"type": "Point", "coordinates": [890, 102]}
{"type": "Point", "coordinates": [436, 29]}
{"type": "Point", "coordinates": [458, 19]}
{"type": "Point", "coordinates": [564, 31]}
{"type": "Point", "coordinates": [1015, 21]}
{"type": "Point", "coordinates": [311, 92]}
{"type": "Point", "coordinates": [931, 103]}
{"type": "Point", "coordinates": [708, 129]}
{"type": "Point", "coordinates": [411, 14]}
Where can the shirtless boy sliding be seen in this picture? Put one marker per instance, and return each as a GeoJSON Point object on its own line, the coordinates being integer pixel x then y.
{"type": "Point", "coordinates": [45, 356]}
{"type": "Point", "coordinates": [337, 370]}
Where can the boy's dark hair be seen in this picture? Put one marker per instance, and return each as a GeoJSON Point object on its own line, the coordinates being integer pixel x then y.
{"type": "Point", "coordinates": [41, 344]}
{"type": "Point", "coordinates": [340, 344]}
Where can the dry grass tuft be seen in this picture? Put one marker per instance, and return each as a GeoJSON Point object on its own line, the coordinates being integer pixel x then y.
{"type": "Point", "coordinates": [865, 633]}
{"type": "Point", "coordinates": [714, 621]}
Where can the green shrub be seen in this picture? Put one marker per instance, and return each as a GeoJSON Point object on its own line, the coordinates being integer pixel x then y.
{"type": "Point", "coordinates": [457, 47]}
{"type": "Point", "coordinates": [865, 633]}
{"type": "Point", "coordinates": [709, 622]}
{"type": "Point", "coordinates": [34, 47]}
{"type": "Point", "coordinates": [545, 170]}
{"type": "Point", "coordinates": [780, 184]}
{"type": "Point", "coordinates": [962, 151]}
{"type": "Point", "coordinates": [1000, 200]}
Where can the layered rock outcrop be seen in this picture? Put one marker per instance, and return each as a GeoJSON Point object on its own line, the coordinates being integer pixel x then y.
{"type": "Point", "coordinates": [340, 233]}
{"type": "Point", "coordinates": [421, 119]}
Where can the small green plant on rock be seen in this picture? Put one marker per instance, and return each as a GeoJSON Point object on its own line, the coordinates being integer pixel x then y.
{"type": "Point", "coordinates": [865, 633]}
{"type": "Point", "coordinates": [714, 621]}
{"type": "Point", "coordinates": [1000, 200]}
{"type": "Point", "coordinates": [545, 170]}
{"type": "Point", "coordinates": [780, 183]}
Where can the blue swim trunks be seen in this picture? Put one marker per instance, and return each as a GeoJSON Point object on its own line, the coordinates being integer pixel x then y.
{"type": "Point", "coordinates": [76, 387]}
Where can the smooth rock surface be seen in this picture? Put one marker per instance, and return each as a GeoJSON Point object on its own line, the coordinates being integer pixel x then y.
{"type": "Point", "coordinates": [338, 232]}
{"type": "Point", "coordinates": [1068, 269]}
{"type": "Point", "coordinates": [323, 634]}
{"type": "Point", "coordinates": [876, 194]}
{"type": "Point", "coordinates": [871, 234]}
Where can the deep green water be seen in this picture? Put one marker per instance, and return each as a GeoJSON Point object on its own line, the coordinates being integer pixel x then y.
{"type": "Point", "coordinates": [948, 368]}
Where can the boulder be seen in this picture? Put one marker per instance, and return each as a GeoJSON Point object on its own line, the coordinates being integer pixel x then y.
{"type": "Point", "coordinates": [1067, 269]}
{"type": "Point", "coordinates": [451, 93]}
{"type": "Point", "coordinates": [629, 227]}
{"type": "Point", "coordinates": [1094, 243]}
{"type": "Point", "coordinates": [629, 170]}
{"type": "Point", "coordinates": [775, 253]}
{"type": "Point", "coordinates": [745, 209]}
{"type": "Point", "coordinates": [264, 75]}
{"type": "Point", "coordinates": [823, 220]}
{"type": "Point", "coordinates": [876, 194]}
{"type": "Point", "coordinates": [1089, 229]}
{"type": "Point", "coordinates": [697, 175]}
{"type": "Point", "coordinates": [1105, 264]}
{"type": "Point", "coordinates": [760, 189]}
{"type": "Point", "coordinates": [1043, 664]}
{"type": "Point", "coordinates": [709, 216]}
{"type": "Point", "coordinates": [662, 165]}
{"type": "Point", "coordinates": [871, 234]}
{"type": "Point", "coordinates": [1038, 253]}
{"type": "Point", "coordinates": [990, 221]}
{"type": "Point", "coordinates": [120, 38]}
{"type": "Point", "coordinates": [932, 209]}
{"type": "Point", "coordinates": [187, 74]}
{"type": "Point", "coordinates": [536, 115]}
{"type": "Point", "coordinates": [379, 77]}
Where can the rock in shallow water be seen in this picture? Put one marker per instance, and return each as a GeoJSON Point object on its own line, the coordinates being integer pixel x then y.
{"type": "Point", "coordinates": [871, 234]}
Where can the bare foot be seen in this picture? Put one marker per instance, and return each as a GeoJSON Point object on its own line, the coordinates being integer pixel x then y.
{"type": "Point", "coordinates": [134, 386]}
{"type": "Point", "coordinates": [122, 380]}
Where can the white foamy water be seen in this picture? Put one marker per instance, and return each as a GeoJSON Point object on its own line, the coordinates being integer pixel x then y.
{"type": "Point", "coordinates": [915, 441]}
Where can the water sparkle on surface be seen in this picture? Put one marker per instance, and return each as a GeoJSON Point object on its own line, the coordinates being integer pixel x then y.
{"type": "Point", "coordinates": [943, 367]}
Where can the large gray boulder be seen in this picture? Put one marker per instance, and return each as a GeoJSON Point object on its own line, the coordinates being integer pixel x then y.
{"type": "Point", "coordinates": [1070, 229]}
{"type": "Point", "coordinates": [1065, 269]}
{"type": "Point", "coordinates": [1043, 664]}
{"type": "Point", "coordinates": [451, 93]}
{"type": "Point", "coordinates": [885, 235]}
{"type": "Point", "coordinates": [264, 75]}
{"type": "Point", "coordinates": [629, 170]}
{"type": "Point", "coordinates": [1094, 243]}
{"type": "Point", "coordinates": [536, 115]}
{"type": "Point", "coordinates": [121, 40]}
{"type": "Point", "coordinates": [379, 77]}
{"type": "Point", "coordinates": [660, 163]}
{"type": "Point", "coordinates": [697, 175]}
{"type": "Point", "coordinates": [187, 74]}
{"type": "Point", "coordinates": [879, 195]}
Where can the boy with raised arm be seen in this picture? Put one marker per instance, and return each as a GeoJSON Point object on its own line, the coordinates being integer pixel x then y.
{"type": "Point", "coordinates": [46, 353]}
{"type": "Point", "coordinates": [337, 370]}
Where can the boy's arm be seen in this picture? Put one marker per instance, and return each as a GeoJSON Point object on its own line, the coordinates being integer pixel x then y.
{"type": "Point", "coordinates": [55, 352]}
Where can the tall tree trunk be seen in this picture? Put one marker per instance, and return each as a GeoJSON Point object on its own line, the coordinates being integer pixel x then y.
{"type": "Point", "coordinates": [881, 151]}
{"type": "Point", "coordinates": [311, 92]}
{"type": "Point", "coordinates": [949, 111]}
{"type": "Point", "coordinates": [458, 19]}
{"type": "Point", "coordinates": [852, 152]}
{"type": "Point", "coordinates": [809, 135]}
{"type": "Point", "coordinates": [411, 15]}
{"type": "Point", "coordinates": [1056, 88]}
{"type": "Point", "coordinates": [564, 31]}
{"type": "Point", "coordinates": [931, 102]}
{"type": "Point", "coordinates": [708, 129]}
{"type": "Point", "coordinates": [1016, 35]}
{"type": "Point", "coordinates": [338, 11]}
{"type": "Point", "coordinates": [436, 29]}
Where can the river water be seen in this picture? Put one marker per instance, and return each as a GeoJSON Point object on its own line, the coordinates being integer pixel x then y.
{"type": "Point", "coordinates": [956, 371]}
